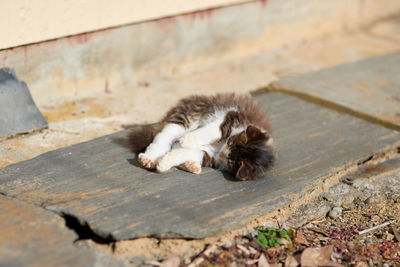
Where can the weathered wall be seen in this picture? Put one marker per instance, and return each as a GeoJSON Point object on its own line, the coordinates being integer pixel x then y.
{"type": "Point", "coordinates": [23, 22]}
{"type": "Point", "coordinates": [86, 64]}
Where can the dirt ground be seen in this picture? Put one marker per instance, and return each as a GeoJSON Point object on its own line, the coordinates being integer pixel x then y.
{"type": "Point", "coordinates": [339, 234]}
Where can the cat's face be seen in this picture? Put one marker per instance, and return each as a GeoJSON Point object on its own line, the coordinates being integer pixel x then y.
{"type": "Point", "coordinates": [247, 154]}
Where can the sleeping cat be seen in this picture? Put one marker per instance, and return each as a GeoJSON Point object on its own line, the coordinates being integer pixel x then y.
{"type": "Point", "coordinates": [227, 132]}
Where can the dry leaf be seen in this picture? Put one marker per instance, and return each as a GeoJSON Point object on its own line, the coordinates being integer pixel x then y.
{"type": "Point", "coordinates": [262, 261]}
{"type": "Point", "coordinates": [211, 249]}
{"type": "Point", "coordinates": [171, 262]}
{"type": "Point", "coordinates": [300, 238]}
{"type": "Point", "coordinates": [291, 262]}
{"type": "Point", "coordinates": [316, 256]}
{"type": "Point", "coordinates": [396, 233]}
{"type": "Point", "coordinates": [251, 262]}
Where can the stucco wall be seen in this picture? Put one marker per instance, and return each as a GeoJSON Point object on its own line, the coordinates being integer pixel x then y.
{"type": "Point", "coordinates": [23, 22]}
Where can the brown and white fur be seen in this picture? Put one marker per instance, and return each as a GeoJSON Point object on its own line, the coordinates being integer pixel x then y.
{"type": "Point", "coordinates": [226, 131]}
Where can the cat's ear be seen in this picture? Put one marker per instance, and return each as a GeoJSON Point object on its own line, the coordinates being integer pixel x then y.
{"type": "Point", "coordinates": [244, 172]}
{"type": "Point", "coordinates": [254, 134]}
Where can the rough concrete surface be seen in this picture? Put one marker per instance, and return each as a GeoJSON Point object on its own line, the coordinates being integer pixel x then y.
{"type": "Point", "coordinates": [19, 113]}
{"type": "Point", "coordinates": [32, 236]}
{"type": "Point", "coordinates": [369, 88]}
{"type": "Point", "coordinates": [99, 182]}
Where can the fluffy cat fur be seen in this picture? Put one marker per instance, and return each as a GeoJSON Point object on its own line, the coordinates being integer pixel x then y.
{"type": "Point", "coordinates": [225, 131]}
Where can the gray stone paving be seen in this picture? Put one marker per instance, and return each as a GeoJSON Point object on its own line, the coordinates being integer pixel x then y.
{"type": "Point", "coordinates": [369, 88]}
{"type": "Point", "coordinates": [99, 183]}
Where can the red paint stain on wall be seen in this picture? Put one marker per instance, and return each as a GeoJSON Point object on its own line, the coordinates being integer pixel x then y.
{"type": "Point", "coordinates": [25, 55]}
{"type": "Point", "coordinates": [201, 14]}
{"type": "Point", "coordinates": [107, 88]}
{"type": "Point", "coordinates": [4, 57]}
{"type": "Point", "coordinates": [263, 3]}
{"type": "Point", "coordinates": [361, 7]}
{"type": "Point", "coordinates": [82, 38]}
{"type": "Point", "coordinates": [166, 22]}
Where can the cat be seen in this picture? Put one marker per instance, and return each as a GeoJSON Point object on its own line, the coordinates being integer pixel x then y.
{"type": "Point", "coordinates": [228, 132]}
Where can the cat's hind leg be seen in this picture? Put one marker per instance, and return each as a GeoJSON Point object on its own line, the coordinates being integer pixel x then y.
{"type": "Point", "coordinates": [188, 159]}
{"type": "Point", "coordinates": [161, 145]}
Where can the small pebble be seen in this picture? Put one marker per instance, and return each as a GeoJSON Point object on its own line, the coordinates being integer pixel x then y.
{"type": "Point", "coordinates": [347, 201]}
{"type": "Point", "coordinates": [375, 200]}
{"type": "Point", "coordinates": [226, 243]}
{"type": "Point", "coordinates": [375, 218]}
{"type": "Point", "coordinates": [389, 237]}
{"type": "Point", "coordinates": [335, 212]}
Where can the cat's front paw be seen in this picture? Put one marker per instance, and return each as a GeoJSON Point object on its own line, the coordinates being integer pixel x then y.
{"type": "Point", "coordinates": [164, 165]}
{"type": "Point", "coordinates": [146, 162]}
{"type": "Point", "coordinates": [192, 166]}
{"type": "Point", "coordinates": [189, 141]}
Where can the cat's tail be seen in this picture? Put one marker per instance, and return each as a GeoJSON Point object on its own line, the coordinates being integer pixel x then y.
{"type": "Point", "coordinates": [141, 136]}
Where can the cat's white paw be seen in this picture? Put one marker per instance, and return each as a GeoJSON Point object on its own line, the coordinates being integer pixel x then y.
{"type": "Point", "coordinates": [165, 164]}
{"type": "Point", "coordinates": [189, 141]}
{"type": "Point", "coordinates": [192, 166]}
{"type": "Point", "coordinates": [146, 162]}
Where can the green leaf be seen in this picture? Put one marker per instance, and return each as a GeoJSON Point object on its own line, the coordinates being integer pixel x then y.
{"type": "Point", "coordinates": [270, 243]}
{"type": "Point", "coordinates": [262, 240]}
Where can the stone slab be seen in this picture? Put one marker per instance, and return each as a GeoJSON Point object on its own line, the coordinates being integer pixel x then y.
{"type": "Point", "coordinates": [100, 183]}
{"type": "Point", "coordinates": [32, 236]}
{"type": "Point", "coordinates": [368, 88]}
{"type": "Point", "coordinates": [19, 113]}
